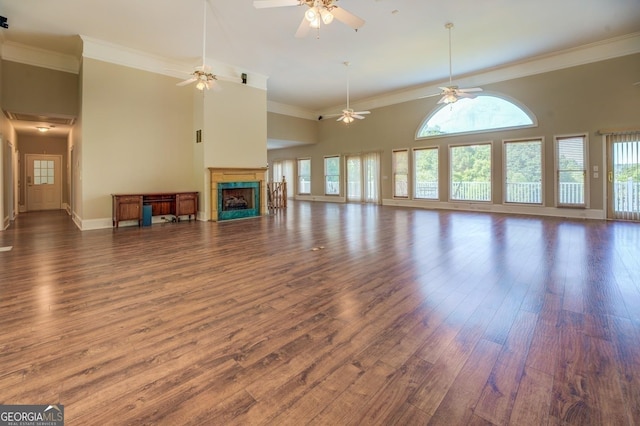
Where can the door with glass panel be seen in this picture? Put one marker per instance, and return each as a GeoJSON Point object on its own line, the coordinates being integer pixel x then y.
{"type": "Point", "coordinates": [363, 177]}
{"type": "Point", "coordinates": [623, 186]}
{"type": "Point", "coordinates": [354, 178]}
{"type": "Point", "coordinates": [44, 186]}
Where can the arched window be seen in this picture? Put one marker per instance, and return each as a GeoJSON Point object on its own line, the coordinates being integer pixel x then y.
{"type": "Point", "coordinates": [483, 113]}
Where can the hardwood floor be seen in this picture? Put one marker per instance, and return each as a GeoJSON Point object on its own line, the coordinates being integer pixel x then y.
{"type": "Point", "coordinates": [325, 314]}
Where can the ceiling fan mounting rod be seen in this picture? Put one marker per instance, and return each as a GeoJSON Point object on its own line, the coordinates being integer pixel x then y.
{"type": "Point", "coordinates": [204, 32]}
{"type": "Point", "coordinates": [448, 26]}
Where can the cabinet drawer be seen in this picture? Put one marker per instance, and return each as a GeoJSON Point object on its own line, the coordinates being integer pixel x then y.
{"type": "Point", "coordinates": [122, 199]}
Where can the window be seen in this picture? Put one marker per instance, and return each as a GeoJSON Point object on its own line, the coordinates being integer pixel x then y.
{"type": "Point", "coordinates": [304, 176]}
{"type": "Point", "coordinates": [43, 172]}
{"type": "Point", "coordinates": [523, 171]}
{"type": "Point", "coordinates": [470, 172]}
{"type": "Point", "coordinates": [425, 172]}
{"type": "Point", "coordinates": [571, 172]}
{"type": "Point", "coordinates": [401, 173]}
{"type": "Point", "coordinates": [332, 175]}
{"type": "Point", "coordinates": [483, 113]}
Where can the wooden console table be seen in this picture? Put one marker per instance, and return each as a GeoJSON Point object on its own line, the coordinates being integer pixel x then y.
{"type": "Point", "coordinates": [129, 206]}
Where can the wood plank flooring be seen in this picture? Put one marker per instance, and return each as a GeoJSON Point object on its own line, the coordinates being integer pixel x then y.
{"type": "Point", "coordinates": [325, 314]}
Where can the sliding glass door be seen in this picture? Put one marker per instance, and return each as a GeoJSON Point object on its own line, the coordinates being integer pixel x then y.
{"type": "Point", "coordinates": [624, 176]}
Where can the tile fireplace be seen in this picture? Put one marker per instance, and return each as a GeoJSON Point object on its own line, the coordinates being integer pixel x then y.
{"type": "Point", "coordinates": [237, 193]}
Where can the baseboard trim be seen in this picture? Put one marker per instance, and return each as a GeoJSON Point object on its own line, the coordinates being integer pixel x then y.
{"type": "Point", "coordinates": [573, 213]}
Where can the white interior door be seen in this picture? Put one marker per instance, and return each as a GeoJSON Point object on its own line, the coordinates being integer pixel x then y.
{"type": "Point", "coordinates": [44, 186]}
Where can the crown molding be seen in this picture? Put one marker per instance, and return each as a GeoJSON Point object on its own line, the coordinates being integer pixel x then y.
{"type": "Point", "coordinates": [30, 55]}
{"type": "Point", "coordinates": [121, 55]}
{"type": "Point", "coordinates": [595, 52]}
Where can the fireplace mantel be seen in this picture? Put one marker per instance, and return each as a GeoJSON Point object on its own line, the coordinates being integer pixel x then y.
{"type": "Point", "coordinates": [237, 174]}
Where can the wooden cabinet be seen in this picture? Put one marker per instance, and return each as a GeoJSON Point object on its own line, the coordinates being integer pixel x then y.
{"type": "Point", "coordinates": [129, 206]}
{"type": "Point", "coordinates": [186, 204]}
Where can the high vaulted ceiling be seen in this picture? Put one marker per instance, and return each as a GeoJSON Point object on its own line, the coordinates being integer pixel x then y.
{"type": "Point", "coordinates": [403, 44]}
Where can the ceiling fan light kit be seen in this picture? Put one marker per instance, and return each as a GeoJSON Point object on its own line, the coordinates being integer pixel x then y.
{"type": "Point", "coordinates": [318, 12]}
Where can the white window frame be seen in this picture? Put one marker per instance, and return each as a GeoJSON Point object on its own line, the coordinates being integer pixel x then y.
{"type": "Point", "coordinates": [300, 176]}
{"type": "Point", "coordinates": [395, 173]}
{"type": "Point", "coordinates": [508, 99]}
{"type": "Point", "coordinates": [506, 142]}
{"type": "Point", "coordinates": [414, 172]}
{"type": "Point", "coordinates": [450, 178]}
{"type": "Point", "coordinates": [585, 171]}
{"type": "Point", "coordinates": [326, 176]}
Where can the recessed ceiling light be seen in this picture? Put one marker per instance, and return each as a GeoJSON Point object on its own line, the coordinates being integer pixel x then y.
{"type": "Point", "coordinates": [42, 129]}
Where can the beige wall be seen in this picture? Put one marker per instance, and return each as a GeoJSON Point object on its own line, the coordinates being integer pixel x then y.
{"type": "Point", "coordinates": [576, 100]}
{"type": "Point", "coordinates": [136, 135]}
{"type": "Point", "coordinates": [286, 128]}
{"type": "Point", "coordinates": [36, 90]}
{"type": "Point", "coordinates": [235, 127]}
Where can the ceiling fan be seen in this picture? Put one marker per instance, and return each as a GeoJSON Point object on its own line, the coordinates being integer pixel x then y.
{"type": "Point", "coordinates": [451, 93]}
{"type": "Point", "coordinates": [202, 75]}
{"type": "Point", "coordinates": [318, 12]}
{"type": "Point", "coordinates": [348, 114]}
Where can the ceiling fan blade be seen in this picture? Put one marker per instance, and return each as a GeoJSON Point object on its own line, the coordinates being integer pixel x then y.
{"type": "Point", "coordinates": [262, 4]}
{"type": "Point", "coordinates": [442, 100]}
{"type": "Point", "coordinates": [359, 117]}
{"type": "Point", "coordinates": [184, 83]}
{"type": "Point", "coordinates": [303, 29]}
{"type": "Point", "coordinates": [347, 17]}
{"type": "Point", "coordinates": [362, 112]}
{"type": "Point", "coordinates": [342, 117]}
{"type": "Point", "coordinates": [465, 95]}
{"type": "Point", "coordinates": [470, 89]}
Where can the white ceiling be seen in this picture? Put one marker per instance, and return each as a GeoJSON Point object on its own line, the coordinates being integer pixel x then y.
{"type": "Point", "coordinates": [403, 44]}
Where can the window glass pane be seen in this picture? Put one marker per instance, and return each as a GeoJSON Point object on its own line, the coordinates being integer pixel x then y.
{"type": "Point", "coordinates": [332, 175]}
{"type": "Point", "coordinates": [401, 173]}
{"type": "Point", "coordinates": [354, 192]}
{"type": "Point", "coordinates": [484, 112]}
{"type": "Point", "coordinates": [36, 163]}
{"type": "Point", "coordinates": [471, 172]}
{"type": "Point", "coordinates": [570, 158]}
{"type": "Point", "coordinates": [304, 176]}
{"type": "Point", "coordinates": [37, 180]}
{"type": "Point", "coordinates": [426, 173]}
{"type": "Point", "coordinates": [50, 164]}
{"type": "Point", "coordinates": [523, 172]}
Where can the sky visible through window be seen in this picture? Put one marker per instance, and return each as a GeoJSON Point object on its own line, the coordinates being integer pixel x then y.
{"type": "Point", "coordinates": [485, 112]}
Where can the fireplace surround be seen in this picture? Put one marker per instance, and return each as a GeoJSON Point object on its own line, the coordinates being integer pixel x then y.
{"type": "Point", "coordinates": [237, 193]}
